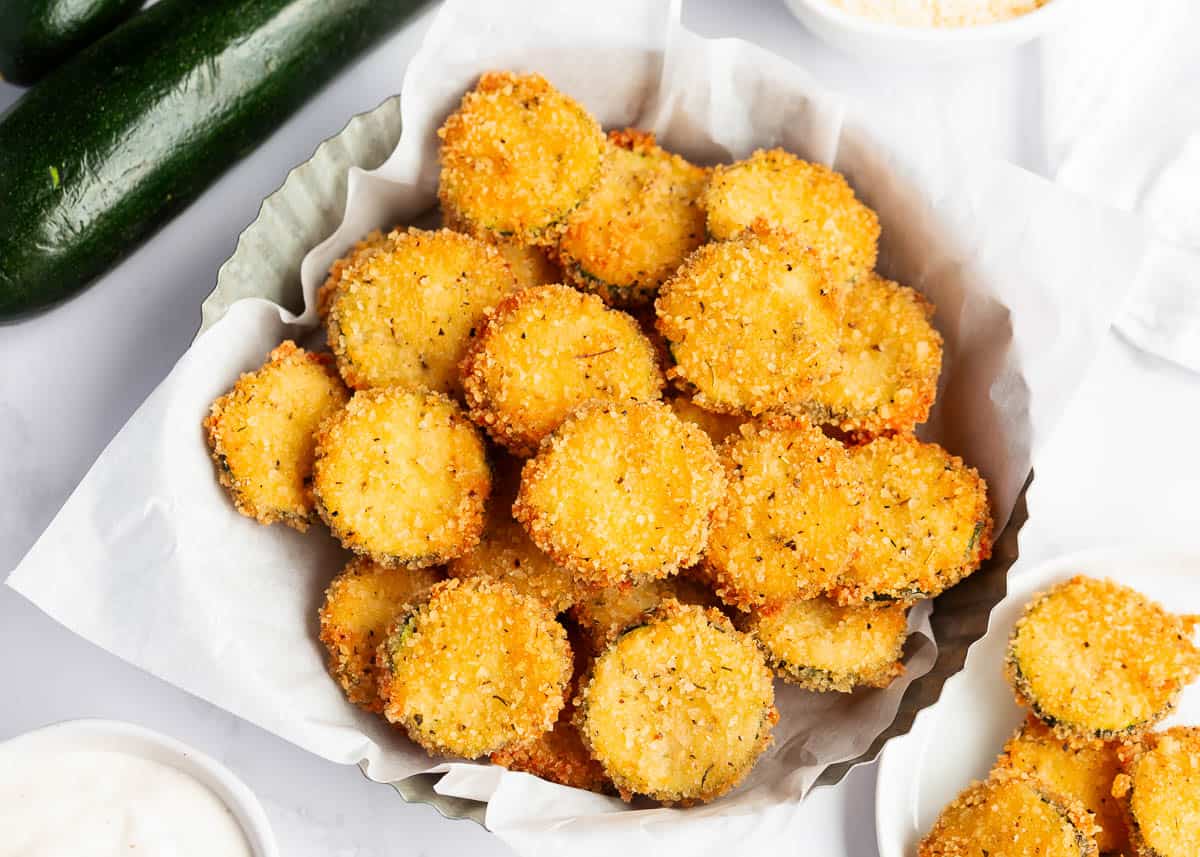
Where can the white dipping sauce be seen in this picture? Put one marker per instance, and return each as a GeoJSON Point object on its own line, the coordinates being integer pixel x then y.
{"type": "Point", "coordinates": [101, 803]}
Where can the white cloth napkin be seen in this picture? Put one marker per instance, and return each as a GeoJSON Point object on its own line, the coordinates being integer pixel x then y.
{"type": "Point", "coordinates": [1122, 125]}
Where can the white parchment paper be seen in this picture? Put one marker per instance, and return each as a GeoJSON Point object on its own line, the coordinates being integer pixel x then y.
{"type": "Point", "coordinates": [149, 560]}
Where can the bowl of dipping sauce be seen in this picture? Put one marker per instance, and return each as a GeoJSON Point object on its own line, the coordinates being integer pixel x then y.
{"type": "Point", "coordinates": [918, 32]}
{"type": "Point", "coordinates": [101, 788]}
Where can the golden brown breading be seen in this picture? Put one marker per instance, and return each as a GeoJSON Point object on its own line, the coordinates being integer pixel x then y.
{"type": "Point", "coordinates": [476, 668]}
{"type": "Point", "coordinates": [1011, 815]}
{"type": "Point", "coordinates": [621, 492]}
{"type": "Point", "coordinates": [602, 614]}
{"type": "Point", "coordinates": [402, 309]}
{"type": "Point", "coordinates": [261, 433]}
{"type": "Point", "coordinates": [546, 350]}
{"type": "Point", "coordinates": [754, 323]}
{"type": "Point", "coordinates": [925, 523]}
{"type": "Point", "coordinates": [1094, 659]}
{"type": "Point", "coordinates": [360, 605]}
{"type": "Point", "coordinates": [1081, 770]}
{"type": "Point", "coordinates": [891, 358]}
{"type": "Point", "coordinates": [823, 647]}
{"type": "Point", "coordinates": [1160, 792]}
{"type": "Point", "coordinates": [716, 426]}
{"type": "Point", "coordinates": [402, 477]}
{"type": "Point", "coordinates": [517, 157]}
{"type": "Point", "coordinates": [810, 200]}
{"type": "Point", "coordinates": [784, 527]}
{"type": "Point", "coordinates": [638, 225]}
{"type": "Point", "coordinates": [680, 708]}
{"type": "Point", "coordinates": [531, 265]}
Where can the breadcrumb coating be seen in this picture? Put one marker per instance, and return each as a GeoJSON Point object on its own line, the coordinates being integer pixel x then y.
{"type": "Point", "coordinates": [401, 309]}
{"type": "Point", "coordinates": [638, 225]}
{"type": "Point", "coordinates": [784, 527]}
{"type": "Point", "coordinates": [260, 433]}
{"type": "Point", "coordinates": [810, 200]}
{"type": "Point", "coordinates": [1160, 791]}
{"type": "Point", "coordinates": [891, 358]}
{"type": "Point", "coordinates": [1082, 770]}
{"type": "Point", "coordinates": [925, 522]}
{"type": "Point", "coordinates": [621, 492]}
{"type": "Point", "coordinates": [1095, 659]}
{"type": "Point", "coordinates": [531, 265]}
{"type": "Point", "coordinates": [476, 668]}
{"type": "Point", "coordinates": [517, 157]}
{"type": "Point", "coordinates": [360, 604]}
{"type": "Point", "coordinates": [679, 709]}
{"type": "Point", "coordinates": [1011, 815]}
{"type": "Point", "coordinates": [754, 323]}
{"type": "Point", "coordinates": [716, 426]}
{"type": "Point", "coordinates": [602, 614]}
{"type": "Point", "coordinates": [543, 352]}
{"type": "Point", "coordinates": [402, 477]}
{"type": "Point", "coordinates": [823, 647]}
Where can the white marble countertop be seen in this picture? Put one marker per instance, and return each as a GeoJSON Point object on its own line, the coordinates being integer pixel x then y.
{"type": "Point", "coordinates": [72, 376]}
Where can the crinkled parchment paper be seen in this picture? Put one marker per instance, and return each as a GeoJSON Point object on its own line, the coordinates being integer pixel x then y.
{"type": "Point", "coordinates": [149, 560]}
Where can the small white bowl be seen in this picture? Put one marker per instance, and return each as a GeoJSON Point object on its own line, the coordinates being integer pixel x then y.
{"type": "Point", "coordinates": [869, 39]}
{"type": "Point", "coordinates": [115, 735]}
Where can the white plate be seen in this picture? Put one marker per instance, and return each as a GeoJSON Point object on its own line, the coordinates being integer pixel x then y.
{"type": "Point", "coordinates": [957, 739]}
{"type": "Point", "coordinates": [135, 740]}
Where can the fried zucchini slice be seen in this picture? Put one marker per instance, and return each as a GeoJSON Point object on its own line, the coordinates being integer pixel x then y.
{"type": "Point", "coordinates": [621, 492]}
{"type": "Point", "coordinates": [783, 529]}
{"type": "Point", "coordinates": [925, 523]}
{"type": "Point", "coordinates": [1095, 659]}
{"type": "Point", "coordinates": [638, 225]}
{"type": "Point", "coordinates": [823, 647]}
{"type": "Point", "coordinates": [754, 323]}
{"type": "Point", "coordinates": [602, 614]}
{"type": "Point", "coordinates": [1084, 771]}
{"type": "Point", "coordinates": [716, 426]}
{"type": "Point", "coordinates": [476, 668]}
{"type": "Point", "coordinates": [261, 434]}
{"type": "Point", "coordinates": [360, 604]}
{"type": "Point", "coordinates": [546, 350]}
{"type": "Point", "coordinates": [680, 708]}
{"type": "Point", "coordinates": [891, 358]}
{"type": "Point", "coordinates": [402, 309]}
{"type": "Point", "coordinates": [1160, 790]}
{"type": "Point", "coordinates": [402, 477]}
{"type": "Point", "coordinates": [517, 157]}
{"type": "Point", "coordinates": [810, 200]}
{"type": "Point", "coordinates": [1011, 815]}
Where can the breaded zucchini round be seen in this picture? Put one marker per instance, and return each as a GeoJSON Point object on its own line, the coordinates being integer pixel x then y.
{"type": "Point", "coordinates": [402, 477]}
{"type": "Point", "coordinates": [261, 433]}
{"type": "Point", "coordinates": [810, 200]}
{"type": "Point", "coordinates": [602, 614]}
{"type": "Point", "coordinates": [753, 323]}
{"type": "Point", "coordinates": [679, 709]}
{"type": "Point", "coordinates": [476, 668]}
{"type": "Point", "coordinates": [925, 522]}
{"type": "Point", "coordinates": [621, 492]}
{"type": "Point", "coordinates": [716, 426]}
{"type": "Point", "coordinates": [1084, 771]}
{"type": "Point", "coordinates": [1160, 788]}
{"type": "Point", "coordinates": [546, 350]}
{"type": "Point", "coordinates": [638, 225]}
{"type": "Point", "coordinates": [360, 604]}
{"type": "Point", "coordinates": [891, 358]}
{"type": "Point", "coordinates": [1094, 659]}
{"type": "Point", "coordinates": [1011, 815]}
{"type": "Point", "coordinates": [402, 309]}
{"type": "Point", "coordinates": [517, 157]}
{"type": "Point", "coordinates": [823, 647]}
{"type": "Point", "coordinates": [784, 528]}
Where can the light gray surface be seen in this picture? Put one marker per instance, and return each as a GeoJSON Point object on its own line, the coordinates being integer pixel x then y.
{"type": "Point", "coordinates": [70, 378]}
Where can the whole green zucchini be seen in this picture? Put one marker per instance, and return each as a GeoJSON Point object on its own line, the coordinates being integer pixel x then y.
{"type": "Point", "coordinates": [37, 35]}
{"type": "Point", "coordinates": [110, 146]}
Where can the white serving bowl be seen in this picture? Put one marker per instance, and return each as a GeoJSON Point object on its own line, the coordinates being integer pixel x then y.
{"type": "Point", "coordinates": [121, 737]}
{"type": "Point", "coordinates": [869, 39]}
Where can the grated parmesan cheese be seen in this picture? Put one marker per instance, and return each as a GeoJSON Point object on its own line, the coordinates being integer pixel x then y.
{"type": "Point", "coordinates": [939, 13]}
